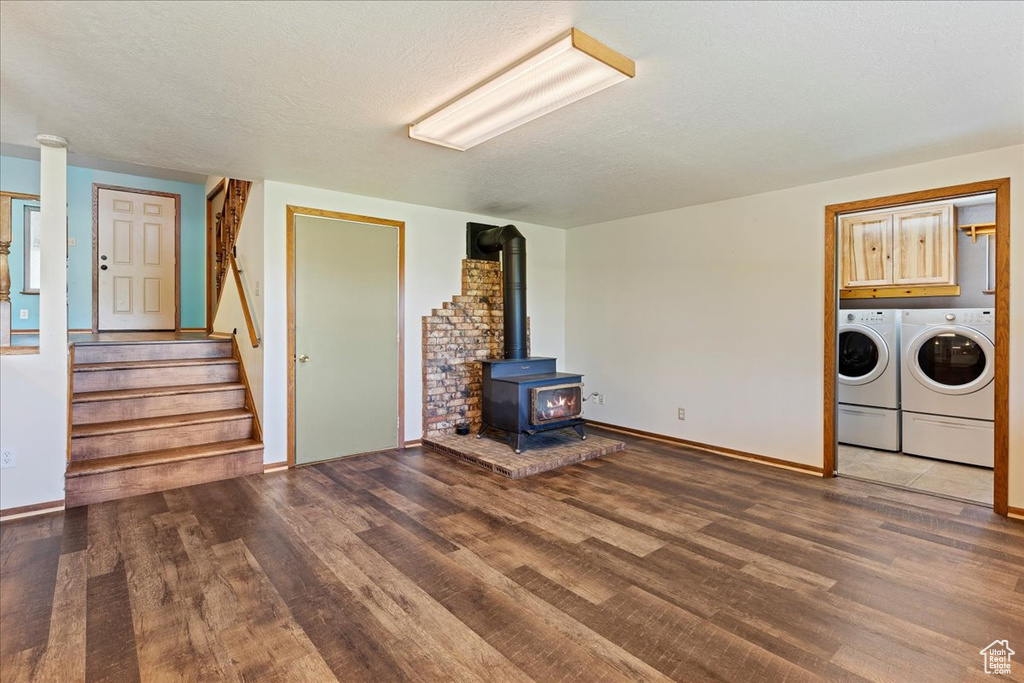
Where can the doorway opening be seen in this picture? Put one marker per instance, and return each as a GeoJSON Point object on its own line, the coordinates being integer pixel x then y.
{"type": "Point", "coordinates": [916, 341]}
{"type": "Point", "coordinates": [136, 247]}
{"type": "Point", "coordinates": [214, 218]}
{"type": "Point", "coordinates": [345, 278]}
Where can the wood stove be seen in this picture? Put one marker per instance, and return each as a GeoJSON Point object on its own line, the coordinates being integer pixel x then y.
{"type": "Point", "coordinates": [516, 394]}
{"type": "Point", "coordinates": [521, 395]}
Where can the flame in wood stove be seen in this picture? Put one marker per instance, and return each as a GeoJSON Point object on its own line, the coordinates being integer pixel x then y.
{"type": "Point", "coordinates": [561, 405]}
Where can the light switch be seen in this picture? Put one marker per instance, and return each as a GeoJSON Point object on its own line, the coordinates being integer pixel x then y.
{"type": "Point", "coordinates": [72, 241]}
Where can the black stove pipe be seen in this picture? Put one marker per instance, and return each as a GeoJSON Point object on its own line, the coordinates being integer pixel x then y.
{"type": "Point", "coordinates": [512, 245]}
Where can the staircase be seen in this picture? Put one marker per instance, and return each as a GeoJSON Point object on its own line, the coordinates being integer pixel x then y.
{"type": "Point", "coordinates": [153, 415]}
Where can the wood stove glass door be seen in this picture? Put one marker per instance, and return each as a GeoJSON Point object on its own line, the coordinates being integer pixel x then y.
{"type": "Point", "coordinates": [346, 338]}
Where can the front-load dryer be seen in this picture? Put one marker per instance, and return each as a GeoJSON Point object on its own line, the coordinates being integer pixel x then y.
{"type": "Point", "coordinates": [947, 390]}
{"type": "Point", "coordinates": [868, 365]}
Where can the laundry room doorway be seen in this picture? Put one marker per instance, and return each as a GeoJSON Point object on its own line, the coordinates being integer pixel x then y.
{"type": "Point", "coordinates": [917, 341]}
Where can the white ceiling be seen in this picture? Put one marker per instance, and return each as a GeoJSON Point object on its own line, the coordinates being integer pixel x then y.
{"type": "Point", "coordinates": [729, 98]}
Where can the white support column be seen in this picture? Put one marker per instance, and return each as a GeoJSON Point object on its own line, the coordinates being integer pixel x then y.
{"type": "Point", "coordinates": [34, 387]}
{"type": "Point", "coordinates": [53, 289]}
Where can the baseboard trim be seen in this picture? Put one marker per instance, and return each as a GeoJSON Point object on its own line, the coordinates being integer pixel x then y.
{"type": "Point", "coordinates": [275, 466]}
{"type": "Point", "coordinates": [1016, 513]}
{"type": "Point", "coordinates": [417, 442]}
{"type": "Point", "coordinates": [717, 450]}
{"type": "Point", "coordinates": [31, 510]}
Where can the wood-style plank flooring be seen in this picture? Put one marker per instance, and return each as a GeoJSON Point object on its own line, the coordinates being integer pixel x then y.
{"type": "Point", "coordinates": [659, 563]}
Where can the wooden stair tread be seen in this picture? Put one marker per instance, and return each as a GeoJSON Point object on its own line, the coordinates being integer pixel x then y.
{"type": "Point", "coordinates": [169, 455]}
{"type": "Point", "coordinates": [141, 364]}
{"type": "Point", "coordinates": [123, 426]}
{"type": "Point", "coordinates": [149, 392]}
{"type": "Point", "coordinates": [143, 340]}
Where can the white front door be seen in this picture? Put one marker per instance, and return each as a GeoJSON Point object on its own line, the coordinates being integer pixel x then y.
{"type": "Point", "coordinates": [136, 241]}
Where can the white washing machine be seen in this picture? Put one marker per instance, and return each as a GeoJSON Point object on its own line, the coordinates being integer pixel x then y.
{"type": "Point", "coordinates": [868, 365]}
{"type": "Point", "coordinates": [947, 391]}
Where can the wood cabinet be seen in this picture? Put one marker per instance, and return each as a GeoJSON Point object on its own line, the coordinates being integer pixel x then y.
{"type": "Point", "coordinates": [924, 246]}
{"type": "Point", "coordinates": [867, 251]}
{"type": "Point", "coordinates": [913, 247]}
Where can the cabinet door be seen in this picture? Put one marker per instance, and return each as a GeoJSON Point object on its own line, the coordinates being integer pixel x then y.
{"type": "Point", "coordinates": [924, 246]}
{"type": "Point", "coordinates": [866, 251]}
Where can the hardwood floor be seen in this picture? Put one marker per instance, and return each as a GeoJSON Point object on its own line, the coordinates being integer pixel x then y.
{"type": "Point", "coordinates": [653, 564]}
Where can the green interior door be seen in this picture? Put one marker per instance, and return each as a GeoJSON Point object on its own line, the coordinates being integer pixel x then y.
{"type": "Point", "coordinates": [346, 338]}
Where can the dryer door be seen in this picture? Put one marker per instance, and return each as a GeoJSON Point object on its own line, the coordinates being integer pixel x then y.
{"type": "Point", "coordinates": [951, 359]}
{"type": "Point", "coordinates": [863, 355]}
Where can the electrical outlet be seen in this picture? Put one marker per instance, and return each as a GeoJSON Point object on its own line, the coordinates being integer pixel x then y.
{"type": "Point", "coordinates": [72, 242]}
{"type": "Point", "coordinates": [256, 288]}
{"type": "Point", "coordinates": [681, 414]}
{"type": "Point", "coordinates": [599, 399]}
{"type": "Point", "coordinates": [6, 458]}
{"type": "Point", "coordinates": [23, 313]}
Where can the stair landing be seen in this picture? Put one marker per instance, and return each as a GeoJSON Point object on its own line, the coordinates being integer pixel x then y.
{"type": "Point", "coordinates": [152, 411]}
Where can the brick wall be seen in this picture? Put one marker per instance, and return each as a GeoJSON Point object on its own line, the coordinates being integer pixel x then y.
{"type": "Point", "coordinates": [456, 337]}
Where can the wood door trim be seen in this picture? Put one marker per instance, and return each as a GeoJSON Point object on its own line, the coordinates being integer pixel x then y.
{"type": "Point", "coordinates": [290, 213]}
{"type": "Point", "coordinates": [96, 187]}
{"type": "Point", "coordinates": [1001, 188]}
{"type": "Point", "coordinates": [217, 189]}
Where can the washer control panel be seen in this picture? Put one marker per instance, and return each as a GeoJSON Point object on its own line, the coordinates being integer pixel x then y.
{"type": "Point", "coordinates": [976, 317]}
{"type": "Point", "coordinates": [866, 317]}
{"type": "Point", "coordinates": [961, 316]}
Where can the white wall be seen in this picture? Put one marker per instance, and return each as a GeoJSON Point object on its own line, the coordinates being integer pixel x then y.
{"type": "Point", "coordinates": [34, 388]}
{"type": "Point", "coordinates": [435, 244]}
{"type": "Point", "coordinates": [661, 308]}
{"type": "Point", "coordinates": [249, 250]}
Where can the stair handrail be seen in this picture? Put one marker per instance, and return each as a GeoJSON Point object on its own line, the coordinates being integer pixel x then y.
{"type": "Point", "coordinates": [253, 337]}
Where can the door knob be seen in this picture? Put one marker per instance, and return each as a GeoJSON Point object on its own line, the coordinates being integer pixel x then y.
{"type": "Point", "coordinates": [103, 267]}
{"type": "Point", "coordinates": [303, 358]}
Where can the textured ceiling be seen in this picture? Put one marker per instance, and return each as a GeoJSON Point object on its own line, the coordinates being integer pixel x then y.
{"type": "Point", "coordinates": [729, 98]}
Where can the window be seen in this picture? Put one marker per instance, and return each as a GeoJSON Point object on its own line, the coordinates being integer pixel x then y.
{"type": "Point", "coordinates": [33, 234]}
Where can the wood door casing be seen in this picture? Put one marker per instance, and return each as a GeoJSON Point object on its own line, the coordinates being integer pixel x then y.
{"type": "Point", "coordinates": [833, 214]}
{"type": "Point", "coordinates": [96, 189]}
{"type": "Point", "coordinates": [924, 246]}
{"type": "Point", "coordinates": [296, 334]}
{"type": "Point", "coordinates": [867, 251]}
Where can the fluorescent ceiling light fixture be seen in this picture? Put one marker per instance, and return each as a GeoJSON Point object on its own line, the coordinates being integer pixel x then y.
{"type": "Point", "coordinates": [566, 70]}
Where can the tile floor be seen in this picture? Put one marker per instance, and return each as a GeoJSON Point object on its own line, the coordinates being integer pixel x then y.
{"type": "Point", "coordinates": [966, 482]}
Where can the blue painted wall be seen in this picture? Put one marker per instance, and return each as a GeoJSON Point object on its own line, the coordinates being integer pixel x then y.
{"type": "Point", "coordinates": [22, 175]}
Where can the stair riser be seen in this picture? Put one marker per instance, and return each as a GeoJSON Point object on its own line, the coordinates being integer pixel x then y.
{"type": "Point", "coordinates": [103, 486]}
{"type": "Point", "coordinates": [155, 406]}
{"type": "Point", "coordinates": [143, 378]}
{"type": "Point", "coordinates": [115, 353]}
{"type": "Point", "coordinates": [109, 445]}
